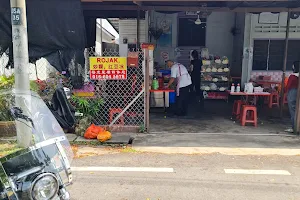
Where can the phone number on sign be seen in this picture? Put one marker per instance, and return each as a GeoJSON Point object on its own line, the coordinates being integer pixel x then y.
{"type": "Point", "coordinates": [108, 77]}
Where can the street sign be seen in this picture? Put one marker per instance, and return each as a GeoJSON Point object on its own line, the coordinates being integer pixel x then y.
{"type": "Point", "coordinates": [16, 13]}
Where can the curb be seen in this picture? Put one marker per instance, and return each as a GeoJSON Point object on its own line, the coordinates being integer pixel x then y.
{"type": "Point", "coordinates": [220, 150]}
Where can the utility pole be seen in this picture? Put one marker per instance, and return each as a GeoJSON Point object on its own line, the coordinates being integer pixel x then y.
{"type": "Point", "coordinates": [21, 65]}
{"type": "Point", "coordinates": [287, 33]}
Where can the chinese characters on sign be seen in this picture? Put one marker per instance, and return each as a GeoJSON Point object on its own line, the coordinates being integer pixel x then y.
{"type": "Point", "coordinates": [108, 68]}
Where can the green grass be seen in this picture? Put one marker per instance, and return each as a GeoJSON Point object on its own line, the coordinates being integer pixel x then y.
{"type": "Point", "coordinates": [8, 148]}
{"type": "Point", "coordinates": [129, 150]}
{"type": "Point", "coordinates": [87, 143]}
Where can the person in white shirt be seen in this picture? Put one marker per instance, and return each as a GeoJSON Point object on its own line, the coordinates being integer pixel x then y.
{"type": "Point", "coordinates": [180, 73]}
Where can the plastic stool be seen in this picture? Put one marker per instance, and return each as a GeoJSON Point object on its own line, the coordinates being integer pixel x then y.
{"type": "Point", "coordinates": [114, 111]}
{"type": "Point", "coordinates": [252, 111]}
{"type": "Point", "coordinates": [237, 108]}
{"type": "Point", "coordinates": [274, 100]}
{"type": "Point", "coordinates": [266, 100]}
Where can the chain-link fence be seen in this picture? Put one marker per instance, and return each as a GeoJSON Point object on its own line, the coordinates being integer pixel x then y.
{"type": "Point", "coordinates": [40, 70]}
{"type": "Point", "coordinates": [115, 95]}
{"type": "Point", "coordinates": [100, 100]}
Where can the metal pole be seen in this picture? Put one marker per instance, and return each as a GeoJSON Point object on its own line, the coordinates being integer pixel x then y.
{"type": "Point", "coordinates": [287, 32]}
{"type": "Point", "coordinates": [21, 64]}
{"type": "Point", "coordinates": [138, 29]}
{"type": "Point", "coordinates": [101, 53]}
{"type": "Point", "coordinates": [126, 108]}
{"type": "Point", "coordinates": [147, 92]}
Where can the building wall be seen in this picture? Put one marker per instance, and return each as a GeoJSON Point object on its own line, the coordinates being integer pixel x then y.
{"type": "Point", "coordinates": [155, 19]}
{"type": "Point", "coordinates": [106, 37]}
{"type": "Point", "coordinates": [254, 30]}
{"type": "Point", "coordinates": [219, 38]}
{"type": "Point", "coordinates": [238, 43]}
{"type": "Point", "coordinates": [128, 30]}
{"type": "Point", "coordinates": [275, 31]}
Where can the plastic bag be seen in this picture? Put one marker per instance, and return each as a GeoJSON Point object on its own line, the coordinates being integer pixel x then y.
{"type": "Point", "coordinates": [93, 131]}
{"type": "Point", "coordinates": [104, 136]}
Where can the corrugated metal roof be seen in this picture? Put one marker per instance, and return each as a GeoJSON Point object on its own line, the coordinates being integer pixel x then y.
{"type": "Point", "coordinates": [114, 22]}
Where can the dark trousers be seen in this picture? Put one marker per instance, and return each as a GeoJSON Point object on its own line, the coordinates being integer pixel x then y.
{"type": "Point", "coordinates": [196, 83]}
{"type": "Point", "coordinates": [292, 97]}
{"type": "Point", "coordinates": [182, 101]}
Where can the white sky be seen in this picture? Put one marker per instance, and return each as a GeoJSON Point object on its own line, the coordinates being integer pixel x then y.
{"type": "Point", "coordinates": [108, 27]}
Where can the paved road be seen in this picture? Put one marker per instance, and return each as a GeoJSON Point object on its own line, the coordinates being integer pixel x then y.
{"type": "Point", "coordinates": [186, 177]}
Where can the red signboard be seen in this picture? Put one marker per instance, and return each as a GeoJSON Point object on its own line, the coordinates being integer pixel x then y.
{"type": "Point", "coordinates": [147, 46]}
{"type": "Point", "coordinates": [108, 74]}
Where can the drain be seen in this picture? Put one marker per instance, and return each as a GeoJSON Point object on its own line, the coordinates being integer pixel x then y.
{"type": "Point", "coordinates": [130, 140]}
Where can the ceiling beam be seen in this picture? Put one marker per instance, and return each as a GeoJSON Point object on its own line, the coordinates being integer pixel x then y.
{"type": "Point", "coordinates": [184, 8]}
{"type": "Point", "coordinates": [92, 1]}
{"type": "Point", "coordinates": [108, 7]}
{"type": "Point", "coordinates": [215, 9]}
{"type": "Point", "coordinates": [182, 0]}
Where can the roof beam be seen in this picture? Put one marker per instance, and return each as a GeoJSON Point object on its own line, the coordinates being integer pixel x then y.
{"type": "Point", "coordinates": [220, 9]}
{"type": "Point", "coordinates": [183, 8]}
{"type": "Point", "coordinates": [92, 1]}
{"type": "Point", "coordinates": [181, 0]}
{"type": "Point", "coordinates": [108, 7]}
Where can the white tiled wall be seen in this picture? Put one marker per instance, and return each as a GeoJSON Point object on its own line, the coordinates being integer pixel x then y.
{"type": "Point", "coordinates": [275, 75]}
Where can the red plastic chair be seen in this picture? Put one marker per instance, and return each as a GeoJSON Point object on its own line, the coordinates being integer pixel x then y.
{"type": "Point", "coordinates": [249, 115]}
{"type": "Point", "coordinates": [274, 99]}
{"type": "Point", "coordinates": [114, 111]}
{"type": "Point", "coordinates": [237, 108]}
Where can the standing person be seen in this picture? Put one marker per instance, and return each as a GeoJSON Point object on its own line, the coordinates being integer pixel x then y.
{"type": "Point", "coordinates": [196, 74]}
{"type": "Point", "coordinates": [180, 73]}
{"type": "Point", "coordinates": [291, 90]}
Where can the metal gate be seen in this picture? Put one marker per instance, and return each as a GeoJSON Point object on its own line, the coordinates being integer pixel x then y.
{"type": "Point", "coordinates": [122, 104]}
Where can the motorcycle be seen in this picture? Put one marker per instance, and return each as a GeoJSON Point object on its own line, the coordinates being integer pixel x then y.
{"type": "Point", "coordinates": [40, 170]}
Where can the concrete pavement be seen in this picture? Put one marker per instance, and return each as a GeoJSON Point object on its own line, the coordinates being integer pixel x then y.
{"type": "Point", "coordinates": [229, 144]}
{"type": "Point", "coordinates": [195, 177]}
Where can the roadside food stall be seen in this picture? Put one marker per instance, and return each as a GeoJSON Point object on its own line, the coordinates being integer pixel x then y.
{"type": "Point", "coordinates": [214, 27]}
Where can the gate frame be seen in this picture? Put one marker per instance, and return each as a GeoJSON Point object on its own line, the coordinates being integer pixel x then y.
{"type": "Point", "coordinates": [146, 48]}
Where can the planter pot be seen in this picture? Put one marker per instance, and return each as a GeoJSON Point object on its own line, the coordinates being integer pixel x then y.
{"type": "Point", "coordinates": [8, 129]}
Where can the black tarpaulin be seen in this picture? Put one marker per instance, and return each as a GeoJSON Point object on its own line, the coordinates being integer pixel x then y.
{"type": "Point", "coordinates": [62, 109]}
{"type": "Point", "coordinates": [56, 31]}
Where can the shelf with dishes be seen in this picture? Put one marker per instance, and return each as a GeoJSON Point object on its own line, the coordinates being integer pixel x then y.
{"type": "Point", "coordinates": [215, 68]}
{"type": "Point", "coordinates": [215, 78]}
{"type": "Point", "coordinates": [213, 88]}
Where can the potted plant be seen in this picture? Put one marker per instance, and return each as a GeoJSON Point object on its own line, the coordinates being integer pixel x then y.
{"type": "Point", "coordinates": [7, 123]}
{"type": "Point", "coordinates": [90, 108]}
